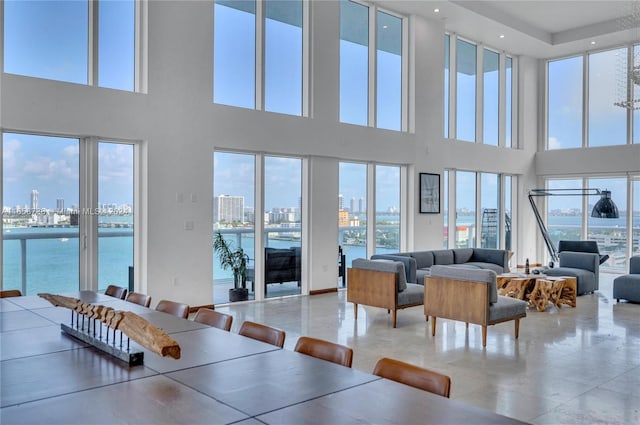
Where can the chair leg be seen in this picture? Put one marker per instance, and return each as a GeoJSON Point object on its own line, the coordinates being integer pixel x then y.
{"type": "Point", "coordinates": [517, 330]}
{"type": "Point", "coordinates": [393, 319]}
{"type": "Point", "coordinates": [355, 311]}
{"type": "Point", "coordinates": [484, 336]}
{"type": "Point", "coordinates": [433, 326]}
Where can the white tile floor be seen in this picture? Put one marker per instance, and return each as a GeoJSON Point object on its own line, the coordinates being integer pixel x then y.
{"type": "Point", "coordinates": [569, 366]}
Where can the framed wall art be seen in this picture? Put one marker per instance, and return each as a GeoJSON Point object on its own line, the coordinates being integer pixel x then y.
{"type": "Point", "coordinates": [429, 193]}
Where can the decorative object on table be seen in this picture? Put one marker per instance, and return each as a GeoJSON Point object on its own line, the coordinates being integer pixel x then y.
{"type": "Point", "coordinates": [526, 267]}
{"type": "Point", "coordinates": [604, 208]}
{"type": "Point", "coordinates": [429, 193]}
{"type": "Point", "coordinates": [235, 260]}
{"type": "Point", "coordinates": [128, 323]}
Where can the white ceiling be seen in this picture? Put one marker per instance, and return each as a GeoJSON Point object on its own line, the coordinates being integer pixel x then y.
{"type": "Point", "coordinates": [538, 28]}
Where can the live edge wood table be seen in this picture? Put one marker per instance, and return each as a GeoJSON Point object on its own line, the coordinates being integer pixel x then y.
{"type": "Point", "coordinates": [538, 289]}
{"type": "Point", "coordinates": [49, 377]}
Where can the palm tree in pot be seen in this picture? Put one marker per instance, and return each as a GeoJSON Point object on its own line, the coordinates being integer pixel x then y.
{"type": "Point", "coordinates": [235, 260]}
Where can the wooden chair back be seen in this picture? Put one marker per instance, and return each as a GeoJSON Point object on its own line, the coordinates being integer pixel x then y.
{"type": "Point", "coordinates": [116, 291]}
{"type": "Point", "coordinates": [173, 308]}
{"type": "Point", "coordinates": [10, 293]}
{"type": "Point", "coordinates": [213, 318]}
{"type": "Point", "coordinates": [138, 298]}
{"type": "Point", "coordinates": [414, 376]}
{"type": "Point", "coordinates": [263, 333]}
{"type": "Point", "coordinates": [325, 350]}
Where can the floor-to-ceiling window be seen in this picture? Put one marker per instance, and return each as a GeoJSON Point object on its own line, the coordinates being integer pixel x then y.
{"type": "Point", "coordinates": [387, 208]}
{"type": "Point", "coordinates": [283, 221]}
{"type": "Point", "coordinates": [610, 234]}
{"type": "Point", "coordinates": [490, 210]}
{"type": "Point", "coordinates": [352, 213]}
{"type": "Point", "coordinates": [116, 212]}
{"type": "Point", "coordinates": [44, 216]}
{"type": "Point", "coordinates": [233, 214]}
{"type": "Point", "coordinates": [465, 198]}
{"type": "Point", "coordinates": [40, 186]}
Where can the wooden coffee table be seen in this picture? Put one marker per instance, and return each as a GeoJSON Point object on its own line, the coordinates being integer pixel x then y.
{"type": "Point", "coordinates": [539, 289]}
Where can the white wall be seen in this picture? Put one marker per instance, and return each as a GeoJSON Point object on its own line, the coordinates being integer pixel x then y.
{"type": "Point", "coordinates": [182, 127]}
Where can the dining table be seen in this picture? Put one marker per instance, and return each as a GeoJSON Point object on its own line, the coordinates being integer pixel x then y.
{"type": "Point", "coordinates": [48, 376]}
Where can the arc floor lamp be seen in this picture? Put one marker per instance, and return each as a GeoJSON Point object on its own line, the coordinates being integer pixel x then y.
{"type": "Point", "coordinates": [604, 208]}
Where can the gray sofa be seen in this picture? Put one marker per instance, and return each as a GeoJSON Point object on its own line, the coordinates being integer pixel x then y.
{"type": "Point", "coordinates": [418, 263]}
{"type": "Point", "coordinates": [584, 266]}
{"type": "Point", "coordinates": [627, 287]}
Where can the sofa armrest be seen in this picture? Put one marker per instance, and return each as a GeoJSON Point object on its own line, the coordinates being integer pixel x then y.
{"type": "Point", "coordinates": [372, 287]}
{"type": "Point", "coordinates": [495, 256]}
{"type": "Point", "coordinates": [634, 265]}
{"type": "Point", "coordinates": [580, 260]}
{"type": "Point", "coordinates": [410, 264]}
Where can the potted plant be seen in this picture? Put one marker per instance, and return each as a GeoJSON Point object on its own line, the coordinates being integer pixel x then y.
{"type": "Point", "coordinates": [235, 260]}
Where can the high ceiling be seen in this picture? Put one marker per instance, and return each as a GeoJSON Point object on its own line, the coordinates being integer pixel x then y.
{"type": "Point", "coordinates": [539, 28]}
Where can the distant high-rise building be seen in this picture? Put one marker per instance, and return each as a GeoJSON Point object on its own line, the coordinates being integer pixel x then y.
{"type": "Point", "coordinates": [228, 209]}
{"type": "Point", "coordinates": [340, 202]}
{"type": "Point", "coordinates": [60, 205]}
{"type": "Point", "coordinates": [361, 207]}
{"type": "Point", "coordinates": [34, 200]}
{"type": "Point", "coordinates": [353, 205]}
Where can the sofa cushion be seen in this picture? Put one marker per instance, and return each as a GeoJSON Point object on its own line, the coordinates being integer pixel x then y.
{"type": "Point", "coordinates": [464, 273]}
{"type": "Point", "coordinates": [421, 274]}
{"type": "Point", "coordinates": [414, 294]}
{"type": "Point", "coordinates": [383, 266]}
{"type": "Point", "coordinates": [507, 308]}
{"type": "Point", "coordinates": [424, 259]}
{"type": "Point", "coordinates": [442, 256]}
{"type": "Point", "coordinates": [462, 255]}
{"type": "Point", "coordinates": [488, 266]}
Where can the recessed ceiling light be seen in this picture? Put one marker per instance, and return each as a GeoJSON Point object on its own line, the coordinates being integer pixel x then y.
{"type": "Point", "coordinates": [593, 42]}
{"type": "Point", "coordinates": [436, 10]}
{"type": "Point", "coordinates": [501, 35]}
{"type": "Point", "coordinates": [385, 26]}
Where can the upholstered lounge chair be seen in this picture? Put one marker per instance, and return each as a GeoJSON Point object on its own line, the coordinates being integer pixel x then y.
{"type": "Point", "coordinates": [627, 287]}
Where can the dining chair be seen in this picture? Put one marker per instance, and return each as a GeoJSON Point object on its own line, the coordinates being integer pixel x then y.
{"type": "Point", "coordinates": [325, 350]}
{"type": "Point", "coordinates": [213, 318]}
{"type": "Point", "coordinates": [10, 293]}
{"type": "Point", "coordinates": [262, 333]}
{"type": "Point", "coordinates": [173, 308]}
{"type": "Point", "coordinates": [138, 298]}
{"type": "Point", "coordinates": [414, 376]}
{"type": "Point", "coordinates": [116, 291]}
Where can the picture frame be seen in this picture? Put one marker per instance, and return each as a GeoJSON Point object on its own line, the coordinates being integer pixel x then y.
{"type": "Point", "coordinates": [429, 193]}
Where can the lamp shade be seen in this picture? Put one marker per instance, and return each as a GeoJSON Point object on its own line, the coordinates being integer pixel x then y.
{"type": "Point", "coordinates": [605, 207]}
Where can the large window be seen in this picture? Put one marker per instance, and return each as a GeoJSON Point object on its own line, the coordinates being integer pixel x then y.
{"type": "Point", "coordinates": [233, 215]}
{"type": "Point", "coordinates": [387, 208]}
{"type": "Point", "coordinates": [607, 121]}
{"type": "Point", "coordinates": [352, 210]}
{"type": "Point", "coordinates": [478, 93]}
{"type": "Point", "coordinates": [386, 82]}
{"type": "Point", "coordinates": [271, 31]}
{"type": "Point", "coordinates": [44, 215]}
{"type": "Point", "coordinates": [466, 91]}
{"type": "Point", "coordinates": [59, 48]}
{"type": "Point", "coordinates": [354, 63]}
{"type": "Point", "coordinates": [234, 53]}
{"type": "Point", "coordinates": [564, 213]}
{"type": "Point", "coordinates": [491, 98]}
{"type": "Point", "coordinates": [600, 106]}
{"type": "Point", "coordinates": [116, 212]}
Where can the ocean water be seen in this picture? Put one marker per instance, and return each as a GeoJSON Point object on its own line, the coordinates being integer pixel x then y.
{"type": "Point", "coordinates": [53, 265]}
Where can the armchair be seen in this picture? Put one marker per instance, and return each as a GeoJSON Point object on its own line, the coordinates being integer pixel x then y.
{"type": "Point", "coordinates": [584, 266]}
{"type": "Point", "coordinates": [381, 283]}
{"type": "Point", "coordinates": [627, 286]}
